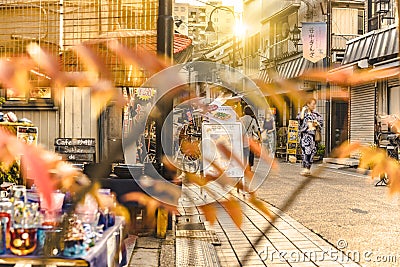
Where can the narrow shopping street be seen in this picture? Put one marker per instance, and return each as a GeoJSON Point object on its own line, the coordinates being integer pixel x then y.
{"type": "Point", "coordinates": [341, 205]}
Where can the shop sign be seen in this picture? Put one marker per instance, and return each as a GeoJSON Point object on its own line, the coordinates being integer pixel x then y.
{"type": "Point", "coordinates": [314, 40]}
{"type": "Point", "coordinates": [75, 142]}
{"type": "Point", "coordinates": [230, 135]}
{"type": "Point", "coordinates": [28, 135]}
{"type": "Point", "coordinates": [145, 93]}
{"type": "Point", "coordinates": [293, 132]}
{"type": "Point", "coordinates": [223, 114]}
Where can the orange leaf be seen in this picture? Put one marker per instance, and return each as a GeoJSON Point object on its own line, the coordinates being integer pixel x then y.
{"type": "Point", "coordinates": [260, 205]}
{"type": "Point", "coordinates": [92, 61]}
{"type": "Point", "coordinates": [210, 212]}
{"type": "Point", "coordinates": [228, 153]}
{"type": "Point", "coordinates": [45, 61]}
{"type": "Point", "coordinates": [101, 93]}
{"type": "Point", "coordinates": [35, 167]}
{"type": "Point", "coordinates": [234, 210]}
{"type": "Point", "coordinates": [147, 201]}
{"type": "Point", "coordinates": [149, 61]}
{"type": "Point", "coordinates": [344, 150]}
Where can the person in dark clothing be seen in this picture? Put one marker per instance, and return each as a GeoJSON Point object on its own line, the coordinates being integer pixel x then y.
{"type": "Point", "coordinates": [249, 128]}
{"type": "Point", "coordinates": [309, 120]}
{"type": "Point", "coordinates": [268, 134]}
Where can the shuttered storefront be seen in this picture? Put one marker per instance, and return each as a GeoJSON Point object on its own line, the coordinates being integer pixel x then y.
{"type": "Point", "coordinates": [362, 114]}
{"type": "Point", "coordinates": [393, 82]}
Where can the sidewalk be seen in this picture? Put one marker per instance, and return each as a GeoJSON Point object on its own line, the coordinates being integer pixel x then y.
{"type": "Point", "coordinates": [259, 241]}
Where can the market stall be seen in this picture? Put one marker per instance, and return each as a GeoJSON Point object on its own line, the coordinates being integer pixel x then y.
{"type": "Point", "coordinates": [105, 252]}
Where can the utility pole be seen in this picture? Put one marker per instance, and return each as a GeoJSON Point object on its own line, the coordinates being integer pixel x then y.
{"type": "Point", "coordinates": [165, 46]}
{"type": "Point", "coordinates": [165, 30]}
{"type": "Point", "coordinates": [328, 134]}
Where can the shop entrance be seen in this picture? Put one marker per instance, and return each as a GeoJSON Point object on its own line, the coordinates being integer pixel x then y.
{"type": "Point", "coordinates": [339, 130]}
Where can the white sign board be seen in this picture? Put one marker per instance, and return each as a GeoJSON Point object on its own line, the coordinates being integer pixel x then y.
{"type": "Point", "coordinates": [28, 135]}
{"type": "Point", "coordinates": [222, 114]}
{"type": "Point", "coordinates": [231, 136]}
{"type": "Point", "coordinates": [314, 40]}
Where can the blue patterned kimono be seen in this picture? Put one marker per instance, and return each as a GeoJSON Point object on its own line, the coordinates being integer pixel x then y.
{"type": "Point", "coordinates": [307, 137]}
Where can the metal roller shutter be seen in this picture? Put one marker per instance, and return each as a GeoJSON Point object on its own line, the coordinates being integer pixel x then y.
{"type": "Point", "coordinates": [362, 114]}
{"type": "Point", "coordinates": [393, 82]}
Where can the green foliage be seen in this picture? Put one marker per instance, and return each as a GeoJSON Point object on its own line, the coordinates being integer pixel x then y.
{"type": "Point", "coordinates": [320, 150]}
{"type": "Point", "coordinates": [12, 175]}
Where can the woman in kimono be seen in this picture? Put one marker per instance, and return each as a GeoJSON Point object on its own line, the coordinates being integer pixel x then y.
{"type": "Point", "coordinates": [309, 120]}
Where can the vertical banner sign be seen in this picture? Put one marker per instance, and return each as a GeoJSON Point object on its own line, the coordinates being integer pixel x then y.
{"type": "Point", "coordinates": [314, 40]}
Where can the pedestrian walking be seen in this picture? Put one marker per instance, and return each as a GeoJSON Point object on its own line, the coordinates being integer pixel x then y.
{"type": "Point", "coordinates": [268, 133]}
{"type": "Point", "coordinates": [249, 130]}
{"type": "Point", "coordinates": [309, 121]}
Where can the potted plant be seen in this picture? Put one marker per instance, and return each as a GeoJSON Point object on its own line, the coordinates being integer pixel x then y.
{"type": "Point", "coordinates": [320, 152]}
{"type": "Point", "coordinates": [11, 175]}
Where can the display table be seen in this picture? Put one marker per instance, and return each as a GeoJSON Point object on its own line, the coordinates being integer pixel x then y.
{"type": "Point", "coordinates": [105, 253]}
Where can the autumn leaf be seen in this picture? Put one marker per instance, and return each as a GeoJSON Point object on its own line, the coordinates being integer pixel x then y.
{"type": "Point", "coordinates": [393, 173]}
{"type": "Point", "coordinates": [196, 179]}
{"type": "Point", "coordinates": [92, 62]}
{"type": "Point", "coordinates": [101, 93]}
{"type": "Point", "coordinates": [234, 210]}
{"type": "Point", "coordinates": [45, 61]}
{"type": "Point", "coordinates": [145, 59]}
{"type": "Point", "coordinates": [147, 201]}
{"type": "Point", "coordinates": [371, 157]}
{"type": "Point", "coordinates": [14, 75]}
{"type": "Point", "coordinates": [345, 149]}
{"type": "Point", "coordinates": [169, 163]}
{"type": "Point", "coordinates": [191, 149]}
{"type": "Point", "coordinates": [35, 168]}
{"type": "Point", "coordinates": [260, 205]}
{"type": "Point", "coordinates": [210, 212]}
{"type": "Point", "coordinates": [228, 153]}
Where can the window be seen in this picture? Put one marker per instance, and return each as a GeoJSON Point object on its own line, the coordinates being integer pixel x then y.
{"type": "Point", "coordinates": [360, 22]}
{"type": "Point", "coordinates": [394, 100]}
{"type": "Point", "coordinates": [36, 96]}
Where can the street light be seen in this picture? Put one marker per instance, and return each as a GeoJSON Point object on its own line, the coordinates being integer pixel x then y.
{"type": "Point", "coordinates": [295, 35]}
{"type": "Point", "coordinates": [210, 28]}
{"type": "Point", "coordinates": [382, 6]}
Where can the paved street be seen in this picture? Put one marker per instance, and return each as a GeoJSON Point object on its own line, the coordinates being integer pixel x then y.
{"type": "Point", "coordinates": [336, 210]}
{"type": "Point", "coordinates": [341, 205]}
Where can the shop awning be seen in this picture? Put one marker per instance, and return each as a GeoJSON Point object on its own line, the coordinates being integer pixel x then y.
{"type": "Point", "coordinates": [385, 43]}
{"type": "Point", "coordinates": [286, 70]}
{"type": "Point", "coordinates": [358, 48]}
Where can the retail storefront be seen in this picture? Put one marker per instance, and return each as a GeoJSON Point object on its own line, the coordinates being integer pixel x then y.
{"type": "Point", "coordinates": [381, 95]}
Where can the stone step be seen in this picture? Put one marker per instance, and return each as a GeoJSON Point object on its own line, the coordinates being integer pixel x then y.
{"type": "Point", "coordinates": [350, 162]}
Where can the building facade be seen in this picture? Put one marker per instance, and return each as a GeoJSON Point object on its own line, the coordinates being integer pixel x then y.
{"type": "Point", "coordinates": [375, 51]}
{"type": "Point", "coordinates": [56, 26]}
{"type": "Point", "coordinates": [280, 56]}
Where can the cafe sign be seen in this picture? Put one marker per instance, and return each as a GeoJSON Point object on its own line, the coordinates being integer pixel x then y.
{"type": "Point", "coordinates": [145, 93]}
{"type": "Point", "coordinates": [314, 40]}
